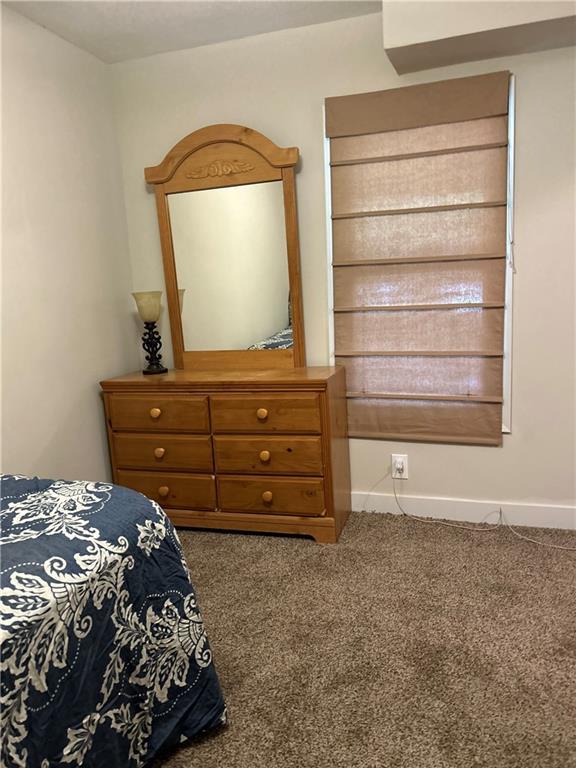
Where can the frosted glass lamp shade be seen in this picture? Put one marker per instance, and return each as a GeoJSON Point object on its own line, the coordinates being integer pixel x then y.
{"type": "Point", "coordinates": [148, 303]}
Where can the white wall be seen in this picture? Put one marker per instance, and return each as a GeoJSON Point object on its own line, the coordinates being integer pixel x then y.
{"type": "Point", "coordinates": [410, 23]}
{"type": "Point", "coordinates": [67, 319]}
{"type": "Point", "coordinates": [276, 84]}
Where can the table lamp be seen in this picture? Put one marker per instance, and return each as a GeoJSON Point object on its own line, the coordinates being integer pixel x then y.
{"type": "Point", "coordinates": [148, 303]}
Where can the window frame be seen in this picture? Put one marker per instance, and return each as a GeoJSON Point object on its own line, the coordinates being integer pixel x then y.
{"type": "Point", "coordinates": [510, 267]}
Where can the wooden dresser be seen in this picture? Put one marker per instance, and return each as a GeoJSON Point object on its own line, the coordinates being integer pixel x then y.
{"type": "Point", "coordinates": [250, 451]}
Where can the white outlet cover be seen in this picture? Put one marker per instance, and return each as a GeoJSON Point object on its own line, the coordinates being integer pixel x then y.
{"type": "Point", "coordinates": [397, 458]}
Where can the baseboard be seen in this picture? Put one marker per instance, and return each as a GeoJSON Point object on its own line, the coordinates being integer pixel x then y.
{"type": "Point", "coordinates": [470, 510]}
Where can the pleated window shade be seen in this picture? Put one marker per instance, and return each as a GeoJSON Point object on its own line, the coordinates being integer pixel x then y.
{"type": "Point", "coordinates": [419, 196]}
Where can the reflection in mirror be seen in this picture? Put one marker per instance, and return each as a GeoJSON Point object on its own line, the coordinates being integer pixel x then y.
{"type": "Point", "coordinates": [231, 258]}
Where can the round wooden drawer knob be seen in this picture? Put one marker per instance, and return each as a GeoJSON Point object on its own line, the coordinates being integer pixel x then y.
{"type": "Point", "coordinates": [267, 497]}
{"type": "Point", "coordinates": [159, 452]}
{"type": "Point", "coordinates": [155, 413]}
{"type": "Point", "coordinates": [262, 414]}
{"type": "Point", "coordinates": [264, 457]}
{"type": "Point", "coordinates": [163, 491]}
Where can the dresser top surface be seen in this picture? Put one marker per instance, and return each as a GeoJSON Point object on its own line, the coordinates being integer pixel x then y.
{"type": "Point", "coordinates": [309, 377]}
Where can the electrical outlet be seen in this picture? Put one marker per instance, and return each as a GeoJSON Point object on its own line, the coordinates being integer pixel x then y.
{"type": "Point", "coordinates": [399, 466]}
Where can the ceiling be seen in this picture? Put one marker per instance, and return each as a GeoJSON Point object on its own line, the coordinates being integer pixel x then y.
{"type": "Point", "coordinates": [118, 31]}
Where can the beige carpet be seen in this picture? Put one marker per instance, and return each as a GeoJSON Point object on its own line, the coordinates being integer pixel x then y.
{"type": "Point", "coordinates": [404, 646]}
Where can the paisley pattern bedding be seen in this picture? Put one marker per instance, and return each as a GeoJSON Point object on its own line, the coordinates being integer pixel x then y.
{"type": "Point", "coordinates": [105, 660]}
{"type": "Point", "coordinates": [281, 340]}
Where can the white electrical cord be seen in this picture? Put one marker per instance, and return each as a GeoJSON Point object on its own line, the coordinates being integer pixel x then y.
{"type": "Point", "coordinates": [443, 522]}
{"type": "Point", "coordinates": [535, 541]}
{"type": "Point", "coordinates": [502, 521]}
{"type": "Point", "coordinates": [370, 492]}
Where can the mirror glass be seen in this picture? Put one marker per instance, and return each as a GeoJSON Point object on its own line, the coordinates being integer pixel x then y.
{"type": "Point", "coordinates": [231, 260]}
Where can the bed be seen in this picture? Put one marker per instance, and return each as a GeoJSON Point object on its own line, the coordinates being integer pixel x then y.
{"type": "Point", "coordinates": [281, 340]}
{"type": "Point", "coordinates": [105, 661]}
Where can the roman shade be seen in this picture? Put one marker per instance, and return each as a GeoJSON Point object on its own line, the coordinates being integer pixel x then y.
{"type": "Point", "coordinates": [419, 179]}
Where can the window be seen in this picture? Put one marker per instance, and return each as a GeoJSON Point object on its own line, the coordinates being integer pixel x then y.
{"type": "Point", "coordinates": [419, 205]}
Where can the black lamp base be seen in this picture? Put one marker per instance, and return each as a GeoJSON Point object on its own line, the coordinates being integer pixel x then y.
{"type": "Point", "coordinates": [154, 369]}
{"type": "Point", "coordinates": [152, 343]}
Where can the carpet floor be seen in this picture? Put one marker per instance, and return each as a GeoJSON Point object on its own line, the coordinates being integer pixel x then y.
{"type": "Point", "coordinates": [403, 646]}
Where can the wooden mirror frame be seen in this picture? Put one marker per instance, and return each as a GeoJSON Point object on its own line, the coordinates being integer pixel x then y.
{"type": "Point", "coordinates": [228, 156]}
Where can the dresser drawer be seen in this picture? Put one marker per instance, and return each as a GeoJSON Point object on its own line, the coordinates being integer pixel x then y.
{"type": "Point", "coordinates": [163, 452]}
{"type": "Point", "coordinates": [172, 490]}
{"type": "Point", "coordinates": [298, 412]}
{"type": "Point", "coordinates": [269, 454]}
{"type": "Point", "coordinates": [163, 413]}
{"type": "Point", "coordinates": [271, 495]}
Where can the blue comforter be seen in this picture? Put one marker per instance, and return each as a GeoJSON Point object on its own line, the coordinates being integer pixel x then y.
{"type": "Point", "coordinates": [104, 655]}
{"type": "Point", "coordinates": [282, 340]}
